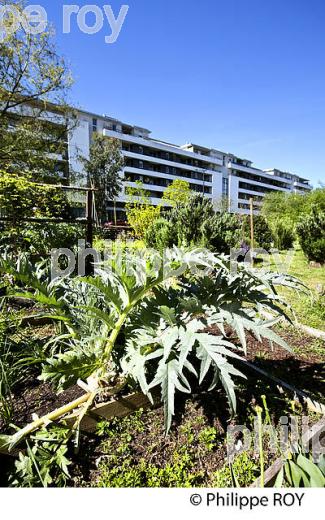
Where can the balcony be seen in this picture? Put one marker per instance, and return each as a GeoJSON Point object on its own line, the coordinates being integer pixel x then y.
{"type": "Point", "coordinates": [151, 143]}
{"type": "Point", "coordinates": [302, 185]}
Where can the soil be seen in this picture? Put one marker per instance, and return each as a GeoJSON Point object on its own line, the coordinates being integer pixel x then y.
{"type": "Point", "coordinates": [303, 368]}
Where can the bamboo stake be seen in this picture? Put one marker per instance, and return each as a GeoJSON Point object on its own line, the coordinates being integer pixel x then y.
{"type": "Point", "coordinates": [252, 228]}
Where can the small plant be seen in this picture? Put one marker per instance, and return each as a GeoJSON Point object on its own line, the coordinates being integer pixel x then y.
{"type": "Point", "coordinates": [241, 473]}
{"type": "Point", "coordinates": [208, 438]}
{"type": "Point", "coordinates": [301, 471]}
{"type": "Point", "coordinates": [45, 461]}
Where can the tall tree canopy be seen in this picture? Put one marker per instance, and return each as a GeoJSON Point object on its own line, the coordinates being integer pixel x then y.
{"type": "Point", "coordinates": [34, 112]}
{"type": "Point", "coordinates": [177, 193]}
{"type": "Point", "coordinates": [104, 168]}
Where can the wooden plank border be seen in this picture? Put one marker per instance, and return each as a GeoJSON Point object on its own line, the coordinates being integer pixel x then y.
{"type": "Point", "coordinates": [120, 407]}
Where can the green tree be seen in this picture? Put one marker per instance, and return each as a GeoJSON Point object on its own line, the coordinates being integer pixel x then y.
{"type": "Point", "coordinates": [177, 193]}
{"type": "Point", "coordinates": [103, 169]}
{"type": "Point", "coordinates": [34, 113]}
{"type": "Point", "coordinates": [141, 214]}
{"type": "Point", "coordinates": [285, 209]}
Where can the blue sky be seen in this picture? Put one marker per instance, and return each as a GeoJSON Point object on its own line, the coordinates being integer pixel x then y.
{"type": "Point", "coordinates": [244, 76]}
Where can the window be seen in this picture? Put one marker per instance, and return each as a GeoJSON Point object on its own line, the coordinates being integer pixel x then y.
{"type": "Point", "coordinates": [141, 164]}
{"type": "Point", "coordinates": [94, 124]}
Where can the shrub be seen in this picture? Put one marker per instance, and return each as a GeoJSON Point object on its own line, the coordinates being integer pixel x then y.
{"type": "Point", "coordinates": [311, 233]}
{"type": "Point", "coordinates": [40, 240]}
{"type": "Point", "coordinates": [137, 326]}
{"type": "Point", "coordinates": [222, 232]}
{"type": "Point", "coordinates": [196, 224]}
{"type": "Point", "coordinates": [161, 234]}
{"type": "Point", "coordinates": [262, 232]}
{"type": "Point", "coordinates": [284, 236]}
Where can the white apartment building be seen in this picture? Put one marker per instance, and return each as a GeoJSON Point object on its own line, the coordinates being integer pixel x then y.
{"type": "Point", "coordinates": [156, 164]}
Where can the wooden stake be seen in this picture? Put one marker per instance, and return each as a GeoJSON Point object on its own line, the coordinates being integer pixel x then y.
{"type": "Point", "coordinates": [252, 228]}
{"type": "Point", "coordinates": [89, 231]}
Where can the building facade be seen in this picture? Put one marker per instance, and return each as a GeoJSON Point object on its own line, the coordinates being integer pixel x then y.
{"type": "Point", "coordinates": [156, 164]}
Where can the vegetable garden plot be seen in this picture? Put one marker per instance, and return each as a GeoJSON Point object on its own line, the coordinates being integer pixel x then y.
{"type": "Point", "coordinates": [147, 328]}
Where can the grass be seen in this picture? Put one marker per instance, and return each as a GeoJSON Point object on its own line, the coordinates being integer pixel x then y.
{"type": "Point", "coordinates": [310, 310]}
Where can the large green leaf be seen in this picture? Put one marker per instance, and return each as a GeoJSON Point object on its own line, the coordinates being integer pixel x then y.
{"type": "Point", "coordinates": [170, 377]}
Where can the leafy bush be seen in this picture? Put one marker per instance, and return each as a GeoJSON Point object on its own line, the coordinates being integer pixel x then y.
{"type": "Point", "coordinates": [161, 234]}
{"type": "Point", "coordinates": [195, 223]}
{"type": "Point", "coordinates": [39, 240]}
{"type": "Point", "coordinates": [130, 324]}
{"type": "Point", "coordinates": [20, 198]}
{"type": "Point", "coordinates": [189, 220]}
{"type": "Point", "coordinates": [222, 233]}
{"type": "Point", "coordinates": [311, 233]}
{"type": "Point", "coordinates": [287, 208]}
{"type": "Point", "coordinates": [262, 232]}
{"type": "Point", "coordinates": [284, 236]}
{"type": "Point", "coordinates": [245, 469]}
{"type": "Point", "coordinates": [177, 193]}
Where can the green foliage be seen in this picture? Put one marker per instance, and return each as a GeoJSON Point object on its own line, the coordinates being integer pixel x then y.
{"type": "Point", "coordinates": [21, 199]}
{"type": "Point", "coordinates": [33, 74]}
{"type": "Point", "coordinates": [162, 328]}
{"type": "Point", "coordinates": [143, 321]}
{"type": "Point", "coordinates": [311, 233]}
{"type": "Point", "coordinates": [263, 236]}
{"type": "Point", "coordinates": [140, 213]}
{"type": "Point", "coordinates": [300, 471]}
{"type": "Point", "coordinates": [177, 193]}
{"type": "Point", "coordinates": [39, 240]}
{"type": "Point", "coordinates": [45, 461]}
{"type": "Point", "coordinates": [287, 208]}
{"type": "Point", "coordinates": [192, 221]}
{"type": "Point", "coordinates": [104, 168]}
{"type": "Point", "coordinates": [284, 236]}
{"type": "Point", "coordinates": [244, 469]}
{"type": "Point", "coordinates": [208, 437]}
{"type": "Point", "coordinates": [161, 234]}
{"type": "Point", "coordinates": [177, 473]}
{"type": "Point", "coordinates": [15, 343]}
{"type": "Point", "coordinates": [120, 468]}
{"type": "Point", "coordinates": [195, 223]}
{"type": "Point", "coordinates": [222, 233]}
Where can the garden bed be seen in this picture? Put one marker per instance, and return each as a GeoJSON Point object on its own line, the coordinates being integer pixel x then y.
{"type": "Point", "coordinates": [136, 452]}
{"type": "Point", "coordinates": [303, 368]}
